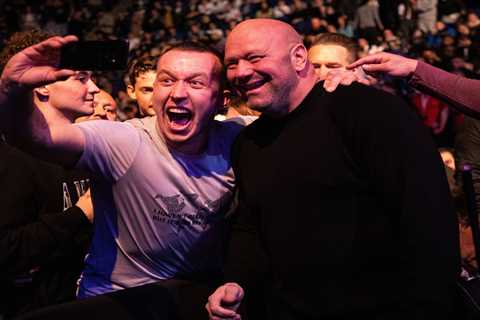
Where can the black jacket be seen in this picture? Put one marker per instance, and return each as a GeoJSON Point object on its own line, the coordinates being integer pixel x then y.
{"type": "Point", "coordinates": [43, 238]}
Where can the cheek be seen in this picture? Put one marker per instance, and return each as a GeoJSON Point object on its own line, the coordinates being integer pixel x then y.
{"type": "Point", "coordinates": [205, 104]}
{"type": "Point", "coordinates": [158, 96]}
{"type": "Point", "coordinates": [146, 97]}
{"type": "Point", "coordinates": [230, 75]}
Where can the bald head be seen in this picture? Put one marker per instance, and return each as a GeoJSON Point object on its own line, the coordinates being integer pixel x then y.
{"type": "Point", "coordinates": [267, 63]}
{"type": "Point", "coordinates": [271, 29]}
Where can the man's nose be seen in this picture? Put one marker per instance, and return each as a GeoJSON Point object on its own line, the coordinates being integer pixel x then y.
{"type": "Point", "coordinates": [99, 111]}
{"type": "Point", "coordinates": [92, 87]}
{"type": "Point", "coordinates": [322, 72]}
{"type": "Point", "coordinates": [179, 91]}
{"type": "Point", "coordinates": [244, 70]}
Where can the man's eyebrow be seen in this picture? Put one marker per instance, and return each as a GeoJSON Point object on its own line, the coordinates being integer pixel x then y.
{"type": "Point", "coordinates": [193, 75]}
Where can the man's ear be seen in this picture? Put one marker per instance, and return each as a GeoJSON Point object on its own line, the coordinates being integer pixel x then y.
{"type": "Point", "coordinates": [131, 92]}
{"type": "Point", "coordinates": [42, 93]}
{"type": "Point", "coordinates": [227, 97]}
{"type": "Point", "coordinates": [299, 55]}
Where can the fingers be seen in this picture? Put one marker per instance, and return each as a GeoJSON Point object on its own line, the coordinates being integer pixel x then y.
{"type": "Point", "coordinates": [49, 47]}
{"type": "Point", "coordinates": [331, 83]}
{"type": "Point", "coordinates": [372, 59]}
{"type": "Point", "coordinates": [375, 68]}
{"type": "Point", "coordinates": [58, 75]}
{"type": "Point", "coordinates": [224, 302]}
{"type": "Point", "coordinates": [57, 41]}
{"type": "Point", "coordinates": [336, 77]}
{"type": "Point", "coordinates": [48, 51]}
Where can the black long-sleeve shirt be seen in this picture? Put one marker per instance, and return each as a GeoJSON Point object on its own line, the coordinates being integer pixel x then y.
{"type": "Point", "coordinates": [345, 210]}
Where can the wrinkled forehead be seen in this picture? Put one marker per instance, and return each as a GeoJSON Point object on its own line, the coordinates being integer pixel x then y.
{"type": "Point", "coordinates": [244, 38]}
{"type": "Point", "coordinates": [259, 36]}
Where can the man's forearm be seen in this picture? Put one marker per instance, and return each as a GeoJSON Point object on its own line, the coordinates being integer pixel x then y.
{"type": "Point", "coordinates": [462, 93]}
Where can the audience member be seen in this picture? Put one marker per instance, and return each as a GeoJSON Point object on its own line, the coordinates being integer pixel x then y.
{"type": "Point", "coordinates": [46, 225]}
{"type": "Point", "coordinates": [105, 108]}
{"type": "Point", "coordinates": [426, 15]}
{"type": "Point", "coordinates": [332, 51]}
{"type": "Point", "coordinates": [367, 21]}
{"type": "Point", "coordinates": [361, 202]}
{"type": "Point", "coordinates": [141, 78]}
{"type": "Point", "coordinates": [165, 182]}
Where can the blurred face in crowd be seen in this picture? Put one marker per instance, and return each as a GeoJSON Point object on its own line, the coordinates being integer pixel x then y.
{"type": "Point", "coordinates": [130, 110]}
{"type": "Point", "coordinates": [74, 96]}
{"type": "Point", "coordinates": [142, 92]}
{"type": "Point", "coordinates": [448, 159]}
{"type": "Point", "coordinates": [105, 108]}
{"type": "Point", "coordinates": [326, 57]}
{"type": "Point", "coordinates": [186, 96]}
{"type": "Point", "coordinates": [259, 62]}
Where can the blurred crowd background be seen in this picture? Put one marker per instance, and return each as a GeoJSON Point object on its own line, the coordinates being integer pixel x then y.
{"type": "Point", "coordinates": [444, 33]}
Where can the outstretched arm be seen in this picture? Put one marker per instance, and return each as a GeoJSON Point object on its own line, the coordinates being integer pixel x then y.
{"type": "Point", "coordinates": [33, 67]}
{"type": "Point", "coordinates": [461, 92]}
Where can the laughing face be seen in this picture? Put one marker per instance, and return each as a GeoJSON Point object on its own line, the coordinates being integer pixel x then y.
{"type": "Point", "coordinates": [260, 67]}
{"type": "Point", "coordinates": [186, 96]}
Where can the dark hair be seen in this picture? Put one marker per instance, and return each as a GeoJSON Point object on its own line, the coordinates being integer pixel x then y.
{"type": "Point", "coordinates": [340, 40]}
{"type": "Point", "coordinates": [19, 41]}
{"type": "Point", "coordinates": [141, 66]}
{"type": "Point", "coordinates": [199, 47]}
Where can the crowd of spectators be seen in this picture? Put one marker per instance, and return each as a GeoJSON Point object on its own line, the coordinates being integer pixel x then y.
{"type": "Point", "coordinates": [444, 33]}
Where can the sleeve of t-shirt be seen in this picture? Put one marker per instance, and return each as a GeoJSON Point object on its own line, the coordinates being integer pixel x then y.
{"type": "Point", "coordinates": [110, 148]}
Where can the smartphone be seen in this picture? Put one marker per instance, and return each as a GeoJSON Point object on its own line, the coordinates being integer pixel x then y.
{"type": "Point", "coordinates": [95, 55]}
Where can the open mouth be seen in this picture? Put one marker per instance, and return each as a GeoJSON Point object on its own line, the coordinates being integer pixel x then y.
{"type": "Point", "coordinates": [179, 117]}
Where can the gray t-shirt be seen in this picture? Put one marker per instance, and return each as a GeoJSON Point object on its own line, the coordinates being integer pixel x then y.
{"type": "Point", "coordinates": [158, 213]}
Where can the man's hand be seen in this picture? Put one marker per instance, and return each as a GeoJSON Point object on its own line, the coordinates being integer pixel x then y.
{"type": "Point", "coordinates": [86, 205]}
{"type": "Point", "coordinates": [35, 66]}
{"type": "Point", "coordinates": [224, 302]}
{"type": "Point", "coordinates": [386, 63]}
{"type": "Point", "coordinates": [346, 77]}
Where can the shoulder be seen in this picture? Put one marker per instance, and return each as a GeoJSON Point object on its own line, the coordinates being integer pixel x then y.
{"type": "Point", "coordinates": [227, 130]}
{"type": "Point", "coordinates": [103, 125]}
{"type": "Point", "coordinates": [101, 132]}
{"type": "Point", "coordinates": [358, 100]}
{"type": "Point", "coordinates": [225, 134]}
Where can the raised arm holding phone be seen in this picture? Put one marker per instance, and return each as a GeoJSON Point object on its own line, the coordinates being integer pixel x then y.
{"type": "Point", "coordinates": [159, 208]}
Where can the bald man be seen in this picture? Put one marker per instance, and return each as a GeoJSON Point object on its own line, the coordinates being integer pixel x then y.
{"type": "Point", "coordinates": [342, 214]}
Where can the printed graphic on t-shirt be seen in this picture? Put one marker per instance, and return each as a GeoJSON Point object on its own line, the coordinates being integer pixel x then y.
{"type": "Point", "coordinates": [175, 210]}
{"type": "Point", "coordinates": [81, 186]}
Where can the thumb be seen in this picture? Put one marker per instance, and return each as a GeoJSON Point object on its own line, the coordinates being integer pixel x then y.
{"type": "Point", "coordinates": [232, 297]}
